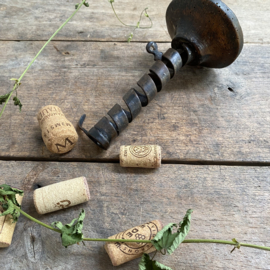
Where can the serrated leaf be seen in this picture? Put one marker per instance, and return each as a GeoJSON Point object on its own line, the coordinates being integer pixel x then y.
{"type": "Point", "coordinates": [10, 210]}
{"type": "Point", "coordinates": [147, 264]}
{"type": "Point", "coordinates": [6, 190]}
{"type": "Point", "coordinates": [166, 239]}
{"type": "Point", "coordinates": [17, 102]}
{"type": "Point", "coordinates": [72, 232]}
{"type": "Point", "coordinates": [4, 98]}
{"type": "Point", "coordinates": [8, 200]}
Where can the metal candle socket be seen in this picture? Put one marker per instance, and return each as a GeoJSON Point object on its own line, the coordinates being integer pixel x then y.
{"type": "Point", "coordinates": [204, 33]}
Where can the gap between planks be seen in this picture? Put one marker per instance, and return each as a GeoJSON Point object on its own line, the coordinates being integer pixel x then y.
{"type": "Point", "coordinates": [164, 162]}
{"type": "Point", "coordinates": [106, 41]}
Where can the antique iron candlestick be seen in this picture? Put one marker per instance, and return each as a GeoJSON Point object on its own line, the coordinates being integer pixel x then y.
{"type": "Point", "coordinates": [204, 33]}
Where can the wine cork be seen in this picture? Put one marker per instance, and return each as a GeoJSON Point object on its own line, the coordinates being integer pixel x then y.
{"type": "Point", "coordinates": [140, 156]}
{"type": "Point", "coordinates": [59, 135]}
{"type": "Point", "coordinates": [7, 227]}
{"type": "Point", "coordinates": [120, 253]}
{"type": "Point", "coordinates": [61, 195]}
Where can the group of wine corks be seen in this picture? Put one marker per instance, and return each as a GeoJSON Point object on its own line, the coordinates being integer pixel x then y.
{"type": "Point", "coordinates": [60, 136]}
{"type": "Point", "coordinates": [73, 192]}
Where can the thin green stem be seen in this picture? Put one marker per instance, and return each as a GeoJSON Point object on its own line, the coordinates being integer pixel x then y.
{"type": "Point", "coordinates": [129, 25]}
{"type": "Point", "coordinates": [116, 240]}
{"type": "Point", "coordinates": [210, 241]}
{"type": "Point", "coordinates": [36, 220]}
{"type": "Point", "coordinates": [30, 64]}
{"type": "Point", "coordinates": [119, 18]}
{"type": "Point", "coordinates": [225, 243]}
{"type": "Point", "coordinates": [145, 27]}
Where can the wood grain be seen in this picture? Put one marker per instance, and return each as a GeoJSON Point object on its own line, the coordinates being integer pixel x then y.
{"type": "Point", "coordinates": [228, 202]}
{"type": "Point", "coordinates": [38, 20]}
{"type": "Point", "coordinates": [201, 115]}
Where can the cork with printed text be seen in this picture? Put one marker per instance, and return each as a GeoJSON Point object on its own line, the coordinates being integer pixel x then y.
{"type": "Point", "coordinates": [61, 195]}
{"type": "Point", "coordinates": [7, 226]}
{"type": "Point", "coordinates": [120, 253]}
{"type": "Point", "coordinates": [59, 135]}
{"type": "Point", "coordinates": [140, 156]}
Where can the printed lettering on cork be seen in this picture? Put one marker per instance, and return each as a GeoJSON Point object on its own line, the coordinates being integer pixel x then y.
{"type": "Point", "coordinates": [140, 156]}
{"type": "Point", "coordinates": [59, 135]}
{"type": "Point", "coordinates": [61, 195]}
{"type": "Point", "coordinates": [120, 253]}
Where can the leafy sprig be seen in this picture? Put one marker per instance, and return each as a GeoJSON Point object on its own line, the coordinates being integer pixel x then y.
{"type": "Point", "coordinates": [8, 201]}
{"type": "Point", "coordinates": [72, 233]}
{"type": "Point", "coordinates": [169, 241]}
{"type": "Point", "coordinates": [5, 98]}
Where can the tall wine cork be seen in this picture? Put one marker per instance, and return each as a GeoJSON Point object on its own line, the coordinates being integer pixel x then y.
{"type": "Point", "coordinates": [58, 134]}
{"type": "Point", "coordinates": [120, 253]}
{"type": "Point", "coordinates": [61, 195]}
{"type": "Point", "coordinates": [7, 227]}
{"type": "Point", "coordinates": [141, 156]}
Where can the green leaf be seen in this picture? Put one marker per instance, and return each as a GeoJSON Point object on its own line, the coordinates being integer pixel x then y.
{"type": "Point", "coordinates": [8, 200]}
{"type": "Point", "coordinates": [147, 264]}
{"type": "Point", "coordinates": [86, 4]}
{"type": "Point", "coordinates": [9, 193]}
{"type": "Point", "coordinates": [17, 102]}
{"type": "Point", "coordinates": [10, 210]}
{"type": "Point", "coordinates": [4, 98]}
{"type": "Point", "coordinates": [72, 232]}
{"type": "Point", "coordinates": [166, 239]}
{"type": "Point", "coordinates": [76, 6]}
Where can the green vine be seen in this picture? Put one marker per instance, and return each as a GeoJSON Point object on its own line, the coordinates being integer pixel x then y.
{"type": "Point", "coordinates": [138, 25]}
{"type": "Point", "coordinates": [6, 97]}
{"type": "Point", "coordinates": [166, 241]}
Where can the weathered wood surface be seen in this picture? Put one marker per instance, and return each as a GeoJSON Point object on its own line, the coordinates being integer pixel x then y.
{"type": "Point", "coordinates": [37, 20]}
{"type": "Point", "coordinates": [228, 202]}
{"type": "Point", "coordinates": [203, 114]}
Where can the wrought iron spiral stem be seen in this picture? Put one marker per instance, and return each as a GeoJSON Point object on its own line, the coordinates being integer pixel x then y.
{"type": "Point", "coordinates": [165, 67]}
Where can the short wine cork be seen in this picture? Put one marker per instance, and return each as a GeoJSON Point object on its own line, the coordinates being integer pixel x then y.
{"type": "Point", "coordinates": [59, 135]}
{"type": "Point", "coordinates": [120, 253]}
{"type": "Point", "coordinates": [61, 195]}
{"type": "Point", "coordinates": [7, 227]}
{"type": "Point", "coordinates": [140, 156]}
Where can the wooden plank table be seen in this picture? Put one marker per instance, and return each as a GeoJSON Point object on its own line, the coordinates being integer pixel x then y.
{"type": "Point", "coordinates": [212, 125]}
